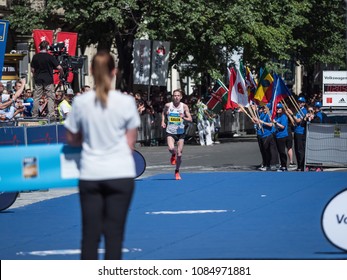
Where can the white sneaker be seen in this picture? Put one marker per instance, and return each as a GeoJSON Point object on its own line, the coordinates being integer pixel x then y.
{"type": "Point", "coordinates": [263, 168]}
{"type": "Point", "coordinates": [292, 166]}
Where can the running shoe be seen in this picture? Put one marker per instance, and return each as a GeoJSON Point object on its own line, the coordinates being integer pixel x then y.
{"type": "Point", "coordinates": [173, 159]}
{"type": "Point", "coordinates": [292, 166]}
{"type": "Point", "coordinates": [282, 169]}
{"type": "Point", "coordinates": [177, 175]}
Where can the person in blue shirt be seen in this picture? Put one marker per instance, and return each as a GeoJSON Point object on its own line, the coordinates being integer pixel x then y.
{"type": "Point", "coordinates": [265, 134]}
{"type": "Point", "coordinates": [319, 115]}
{"type": "Point", "coordinates": [29, 101]}
{"type": "Point", "coordinates": [300, 132]}
{"type": "Point", "coordinates": [281, 126]}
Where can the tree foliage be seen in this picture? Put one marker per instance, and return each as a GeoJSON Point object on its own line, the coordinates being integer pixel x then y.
{"type": "Point", "coordinates": [203, 34]}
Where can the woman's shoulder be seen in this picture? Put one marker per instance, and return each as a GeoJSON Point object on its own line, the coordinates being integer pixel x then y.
{"type": "Point", "coordinates": [119, 96]}
{"type": "Point", "coordinates": [85, 98]}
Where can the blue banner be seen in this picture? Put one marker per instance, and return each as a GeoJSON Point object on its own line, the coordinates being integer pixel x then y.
{"type": "Point", "coordinates": [12, 136]}
{"type": "Point", "coordinates": [3, 39]}
{"type": "Point", "coordinates": [38, 167]}
{"type": "Point", "coordinates": [42, 166]}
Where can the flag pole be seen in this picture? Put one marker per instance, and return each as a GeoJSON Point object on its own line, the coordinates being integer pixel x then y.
{"type": "Point", "coordinates": [296, 105]}
{"type": "Point", "coordinates": [283, 102]}
{"type": "Point", "coordinates": [244, 110]}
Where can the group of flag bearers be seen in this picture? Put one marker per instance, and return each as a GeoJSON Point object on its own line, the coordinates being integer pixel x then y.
{"type": "Point", "coordinates": [266, 104]}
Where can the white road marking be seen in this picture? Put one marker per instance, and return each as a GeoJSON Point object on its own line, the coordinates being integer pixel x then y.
{"type": "Point", "coordinates": [69, 252]}
{"type": "Point", "coordinates": [186, 212]}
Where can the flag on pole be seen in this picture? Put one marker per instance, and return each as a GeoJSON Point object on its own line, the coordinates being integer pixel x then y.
{"type": "Point", "coordinates": [251, 84]}
{"type": "Point", "coordinates": [219, 97]}
{"type": "Point", "coordinates": [232, 77]}
{"type": "Point", "coordinates": [280, 92]}
{"type": "Point", "coordinates": [264, 90]}
{"type": "Point", "coordinates": [239, 93]}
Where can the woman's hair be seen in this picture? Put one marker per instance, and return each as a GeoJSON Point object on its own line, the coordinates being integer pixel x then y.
{"type": "Point", "coordinates": [102, 66]}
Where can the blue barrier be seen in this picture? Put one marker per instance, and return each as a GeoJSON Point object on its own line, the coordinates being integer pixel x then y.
{"type": "Point", "coordinates": [38, 166]}
{"type": "Point", "coordinates": [42, 134]}
{"type": "Point", "coordinates": [45, 134]}
{"type": "Point", "coordinates": [12, 136]}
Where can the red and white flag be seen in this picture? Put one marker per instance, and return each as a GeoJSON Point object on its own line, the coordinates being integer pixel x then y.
{"type": "Point", "coordinates": [40, 35]}
{"type": "Point", "coordinates": [239, 93]}
{"type": "Point", "coordinates": [232, 77]}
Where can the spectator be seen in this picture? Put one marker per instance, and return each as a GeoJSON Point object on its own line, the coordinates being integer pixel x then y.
{"type": "Point", "coordinates": [29, 101]}
{"type": "Point", "coordinates": [43, 110]}
{"type": "Point", "coordinates": [18, 88]}
{"type": "Point", "coordinates": [203, 123]}
{"type": "Point", "coordinates": [64, 105]}
{"type": "Point", "coordinates": [8, 103]}
{"type": "Point", "coordinates": [19, 109]}
{"type": "Point", "coordinates": [85, 89]}
{"type": "Point", "coordinates": [8, 112]}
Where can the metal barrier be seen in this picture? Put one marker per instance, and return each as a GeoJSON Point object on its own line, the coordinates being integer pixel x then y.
{"type": "Point", "coordinates": [150, 132]}
{"type": "Point", "coordinates": [326, 145]}
{"type": "Point", "coordinates": [231, 122]}
{"type": "Point", "coordinates": [28, 135]}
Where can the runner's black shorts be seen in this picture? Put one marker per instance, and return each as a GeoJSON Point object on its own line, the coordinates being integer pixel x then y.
{"type": "Point", "coordinates": [176, 137]}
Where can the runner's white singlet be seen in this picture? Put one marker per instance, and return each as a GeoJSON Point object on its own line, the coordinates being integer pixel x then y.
{"type": "Point", "coordinates": [175, 123]}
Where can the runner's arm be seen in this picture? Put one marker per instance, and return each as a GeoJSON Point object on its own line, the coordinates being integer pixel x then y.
{"type": "Point", "coordinates": [163, 115]}
{"type": "Point", "coordinates": [187, 116]}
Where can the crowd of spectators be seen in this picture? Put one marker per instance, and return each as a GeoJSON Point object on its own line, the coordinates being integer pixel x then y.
{"type": "Point", "coordinates": [149, 106]}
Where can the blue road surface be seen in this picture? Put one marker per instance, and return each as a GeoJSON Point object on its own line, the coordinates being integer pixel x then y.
{"type": "Point", "coordinates": [219, 215]}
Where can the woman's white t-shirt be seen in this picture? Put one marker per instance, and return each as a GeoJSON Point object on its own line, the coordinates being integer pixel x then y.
{"type": "Point", "coordinates": [105, 151]}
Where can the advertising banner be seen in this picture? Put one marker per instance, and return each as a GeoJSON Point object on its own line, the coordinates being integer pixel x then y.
{"type": "Point", "coordinates": [142, 61]}
{"type": "Point", "coordinates": [37, 167]}
{"type": "Point", "coordinates": [40, 35]}
{"type": "Point", "coordinates": [160, 63]}
{"type": "Point", "coordinates": [3, 39]}
{"type": "Point", "coordinates": [335, 88]}
{"type": "Point", "coordinates": [70, 41]}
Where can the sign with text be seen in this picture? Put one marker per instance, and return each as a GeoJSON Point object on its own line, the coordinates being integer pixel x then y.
{"type": "Point", "coordinates": [335, 88]}
{"type": "Point", "coordinates": [3, 39]}
{"type": "Point", "coordinates": [334, 220]}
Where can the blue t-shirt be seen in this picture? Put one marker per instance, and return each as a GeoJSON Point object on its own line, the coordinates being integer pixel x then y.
{"type": "Point", "coordinates": [300, 127]}
{"type": "Point", "coordinates": [283, 120]}
{"type": "Point", "coordinates": [29, 108]}
{"type": "Point", "coordinates": [264, 130]}
{"type": "Point", "coordinates": [320, 116]}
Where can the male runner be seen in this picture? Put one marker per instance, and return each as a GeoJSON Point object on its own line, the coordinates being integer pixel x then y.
{"type": "Point", "coordinates": [175, 113]}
